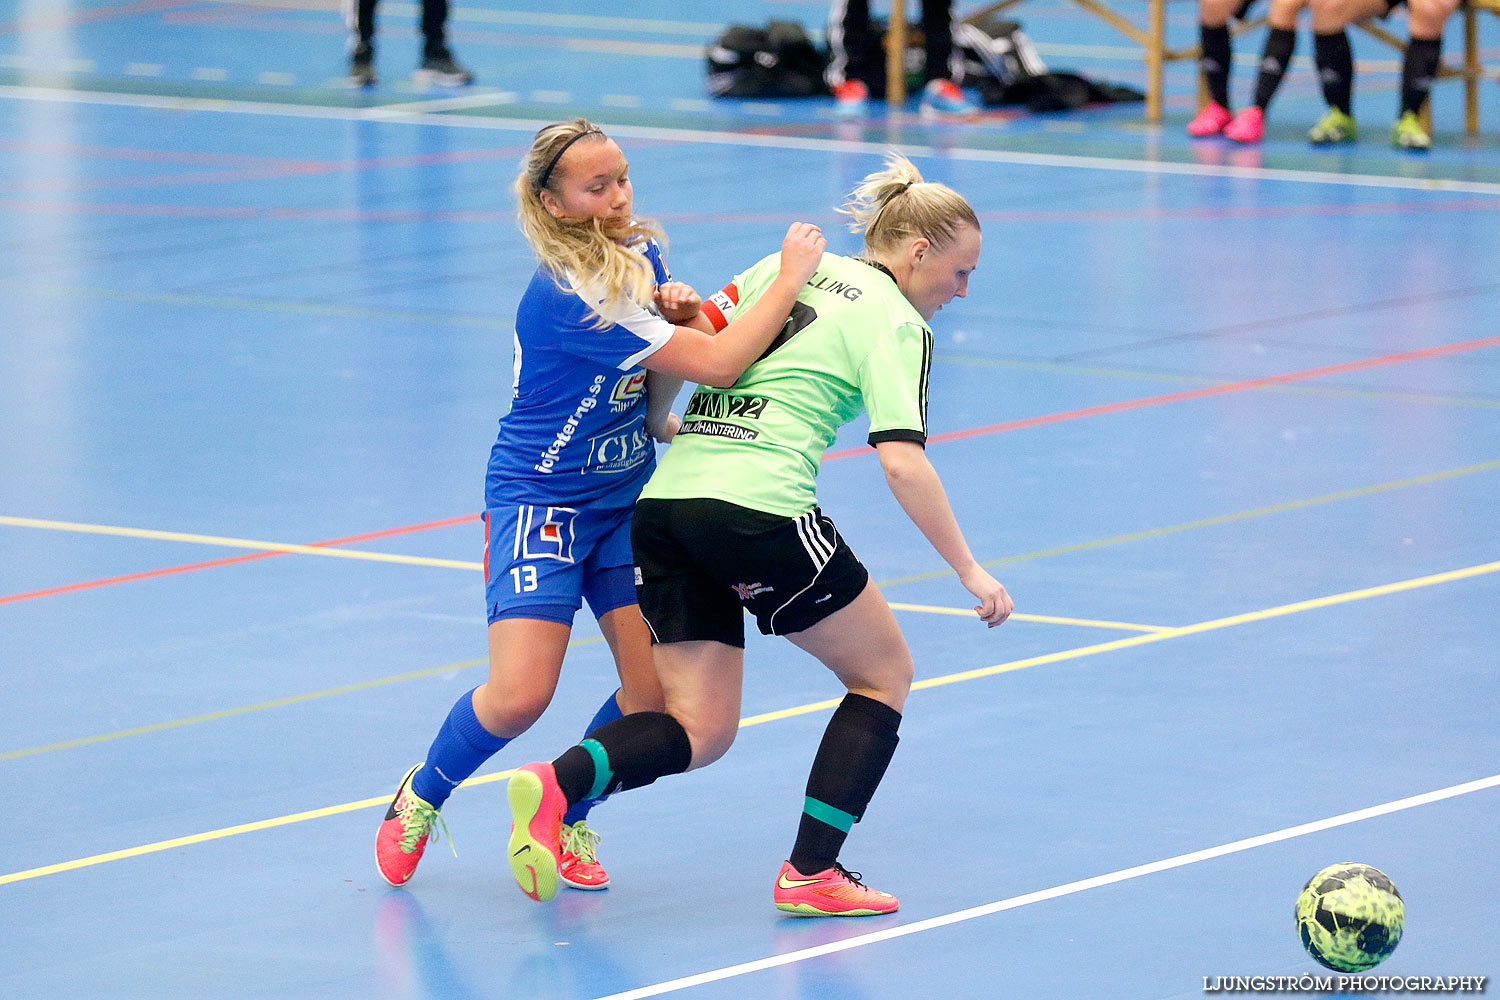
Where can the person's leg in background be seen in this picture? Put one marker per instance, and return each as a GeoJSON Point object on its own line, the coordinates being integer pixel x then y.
{"type": "Point", "coordinates": [941, 94]}
{"type": "Point", "coordinates": [851, 47]}
{"type": "Point", "coordinates": [359, 15]}
{"type": "Point", "coordinates": [1215, 62]}
{"type": "Point", "coordinates": [1424, 51]}
{"type": "Point", "coordinates": [438, 65]}
{"type": "Point", "coordinates": [1249, 124]}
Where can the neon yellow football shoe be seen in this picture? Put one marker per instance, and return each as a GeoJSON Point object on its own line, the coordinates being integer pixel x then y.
{"type": "Point", "coordinates": [1408, 133]}
{"type": "Point", "coordinates": [1334, 127]}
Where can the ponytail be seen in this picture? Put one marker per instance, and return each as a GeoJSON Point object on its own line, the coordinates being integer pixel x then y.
{"type": "Point", "coordinates": [894, 205]}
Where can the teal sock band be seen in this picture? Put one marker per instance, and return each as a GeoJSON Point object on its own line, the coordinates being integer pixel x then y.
{"type": "Point", "coordinates": [832, 815]}
{"type": "Point", "coordinates": [602, 774]}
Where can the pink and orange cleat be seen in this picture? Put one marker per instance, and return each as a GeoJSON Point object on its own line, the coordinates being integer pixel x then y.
{"type": "Point", "coordinates": [403, 835]}
{"type": "Point", "coordinates": [536, 808]}
{"type": "Point", "coordinates": [580, 868]}
{"type": "Point", "coordinates": [832, 892]}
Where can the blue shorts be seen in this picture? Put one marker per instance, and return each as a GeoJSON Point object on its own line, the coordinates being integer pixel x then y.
{"type": "Point", "coordinates": [544, 562]}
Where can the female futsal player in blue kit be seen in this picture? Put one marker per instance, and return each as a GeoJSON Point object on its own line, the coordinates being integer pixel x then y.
{"type": "Point", "coordinates": [603, 341]}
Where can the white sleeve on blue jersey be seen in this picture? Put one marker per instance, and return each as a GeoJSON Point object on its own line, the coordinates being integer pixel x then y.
{"type": "Point", "coordinates": [634, 332]}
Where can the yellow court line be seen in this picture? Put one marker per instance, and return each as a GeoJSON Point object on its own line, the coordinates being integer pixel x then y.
{"type": "Point", "coordinates": [197, 838]}
{"type": "Point", "coordinates": [954, 678]}
{"type": "Point", "coordinates": [755, 720]}
{"type": "Point", "coordinates": [330, 551]}
{"type": "Point", "coordinates": [1081, 546]}
{"type": "Point", "coordinates": [1022, 617]}
{"type": "Point", "coordinates": [226, 713]}
{"type": "Point", "coordinates": [1099, 543]}
{"type": "Point", "coordinates": [1215, 624]}
{"type": "Point", "coordinates": [1215, 521]}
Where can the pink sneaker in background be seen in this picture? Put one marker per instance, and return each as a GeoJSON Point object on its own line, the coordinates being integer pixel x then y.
{"type": "Point", "coordinates": [1210, 121]}
{"type": "Point", "coordinates": [1248, 126]}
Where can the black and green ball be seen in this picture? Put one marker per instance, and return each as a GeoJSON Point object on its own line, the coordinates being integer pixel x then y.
{"type": "Point", "coordinates": [1350, 917]}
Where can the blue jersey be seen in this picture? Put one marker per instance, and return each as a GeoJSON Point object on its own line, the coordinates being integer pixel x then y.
{"type": "Point", "coordinates": [576, 430]}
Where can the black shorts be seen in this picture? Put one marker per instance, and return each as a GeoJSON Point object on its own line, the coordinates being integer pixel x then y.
{"type": "Point", "coordinates": [698, 562]}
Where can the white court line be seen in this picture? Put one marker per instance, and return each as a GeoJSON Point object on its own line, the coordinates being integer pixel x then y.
{"type": "Point", "coordinates": [702, 30]}
{"type": "Point", "coordinates": [662, 50]}
{"type": "Point", "coordinates": [477, 99]}
{"type": "Point", "coordinates": [1042, 895]}
{"type": "Point", "coordinates": [711, 136]}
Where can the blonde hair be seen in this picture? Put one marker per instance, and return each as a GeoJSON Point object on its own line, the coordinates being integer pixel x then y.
{"type": "Point", "coordinates": [594, 251]}
{"type": "Point", "coordinates": [894, 205]}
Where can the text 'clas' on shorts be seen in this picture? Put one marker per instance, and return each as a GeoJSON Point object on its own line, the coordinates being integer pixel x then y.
{"type": "Point", "coordinates": [544, 562]}
{"type": "Point", "coordinates": [698, 562]}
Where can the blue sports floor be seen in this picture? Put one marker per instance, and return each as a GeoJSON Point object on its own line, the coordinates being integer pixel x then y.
{"type": "Point", "coordinates": [1226, 421]}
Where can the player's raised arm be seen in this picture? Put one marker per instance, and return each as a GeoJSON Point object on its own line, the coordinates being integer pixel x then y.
{"type": "Point", "coordinates": [720, 360]}
{"type": "Point", "coordinates": [681, 305]}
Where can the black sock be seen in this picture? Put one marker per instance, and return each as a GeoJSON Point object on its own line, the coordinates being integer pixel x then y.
{"type": "Point", "coordinates": [1215, 61]}
{"type": "Point", "coordinates": [630, 752]}
{"type": "Point", "coordinates": [434, 28]}
{"type": "Point", "coordinates": [1417, 71]}
{"type": "Point", "coordinates": [1273, 63]}
{"type": "Point", "coordinates": [856, 749]}
{"type": "Point", "coordinates": [1335, 69]}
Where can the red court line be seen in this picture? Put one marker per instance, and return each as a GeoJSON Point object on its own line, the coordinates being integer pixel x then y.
{"type": "Point", "coordinates": [271, 170]}
{"type": "Point", "coordinates": [310, 213]}
{"type": "Point", "coordinates": [1212, 390]}
{"type": "Point", "coordinates": [490, 216]}
{"type": "Point", "coordinates": [136, 154]}
{"type": "Point", "coordinates": [231, 560]}
{"type": "Point", "coordinates": [1223, 213]}
{"type": "Point", "coordinates": [1048, 418]}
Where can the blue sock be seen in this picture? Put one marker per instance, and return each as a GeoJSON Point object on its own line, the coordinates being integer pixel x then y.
{"type": "Point", "coordinates": [462, 745]}
{"type": "Point", "coordinates": [608, 712]}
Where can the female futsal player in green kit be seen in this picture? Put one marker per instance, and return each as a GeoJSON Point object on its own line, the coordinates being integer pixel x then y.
{"type": "Point", "coordinates": [730, 520]}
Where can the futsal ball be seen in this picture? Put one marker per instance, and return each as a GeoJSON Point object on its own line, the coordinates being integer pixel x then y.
{"type": "Point", "coordinates": [1350, 917]}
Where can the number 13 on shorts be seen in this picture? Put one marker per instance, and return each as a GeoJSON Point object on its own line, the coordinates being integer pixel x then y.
{"type": "Point", "coordinates": [544, 561]}
{"type": "Point", "coordinates": [539, 533]}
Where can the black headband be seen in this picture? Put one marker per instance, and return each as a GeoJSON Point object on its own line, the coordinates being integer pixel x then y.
{"type": "Point", "coordinates": [547, 173]}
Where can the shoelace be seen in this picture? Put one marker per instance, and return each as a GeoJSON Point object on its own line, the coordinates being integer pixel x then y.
{"type": "Point", "coordinates": [579, 841]}
{"type": "Point", "coordinates": [851, 876]}
{"type": "Point", "coordinates": [416, 820]}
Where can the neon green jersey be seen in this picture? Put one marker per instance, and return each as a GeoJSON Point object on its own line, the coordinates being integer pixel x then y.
{"type": "Point", "coordinates": [852, 344]}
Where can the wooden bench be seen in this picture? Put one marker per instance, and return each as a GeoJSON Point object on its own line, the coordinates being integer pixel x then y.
{"type": "Point", "coordinates": [1472, 70]}
{"type": "Point", "coordinates": [1154, 49]}
{"type": "Point", "coordinates": [1152, 38]}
